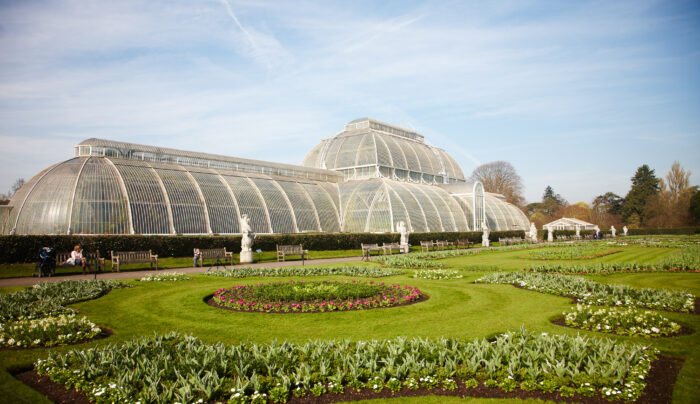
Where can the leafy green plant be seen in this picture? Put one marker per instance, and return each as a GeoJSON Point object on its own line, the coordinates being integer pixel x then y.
{"type": "Point", "coordinates": [187, 369]}
{"type": "Point", "coordinates": [165, 277]}
{"type": "Point", "coordinates": [50, 298]}
{"type": "Point", "coordinates": [590, 292]}
{"type": "Point", "coordinates": [247, 272]}
{"type": "Point", "coordinates": [437, 274]}
{"type": "Point", "coordinates": [573, 253]}
{"type": "Point", "coordinates": [48, 331]}
{"type": "Point", "coordinates": [622, 321]}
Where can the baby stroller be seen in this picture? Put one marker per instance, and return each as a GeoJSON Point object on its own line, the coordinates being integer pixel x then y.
{"type": "Point", "coordinates": [47, 262]}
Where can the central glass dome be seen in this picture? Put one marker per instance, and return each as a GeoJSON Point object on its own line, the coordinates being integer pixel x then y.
{"type": "Point", "coordinates": [369, 148]}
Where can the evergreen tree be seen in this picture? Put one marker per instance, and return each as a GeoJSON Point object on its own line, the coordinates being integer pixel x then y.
{"type": "Point", "coordinates": [695, 206]}
{"type": "Point", "coordinates": [548, 193]}
{"type": "Point", "coordinates": [551, 202]}
{"type": "Point", "coordinates": [609, 202]}
{"type": "Point", "coordinates": [644, 185]}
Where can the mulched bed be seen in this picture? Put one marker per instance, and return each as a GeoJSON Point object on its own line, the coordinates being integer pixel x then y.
{"type": "Point", "coordinates": [106, 332]}
{"type": "Point", "coordinates": [211, 302]}
{"type": "Point", "coordinates": [659, 390]}
{"type": "Point", "coordinates": [684, 330]}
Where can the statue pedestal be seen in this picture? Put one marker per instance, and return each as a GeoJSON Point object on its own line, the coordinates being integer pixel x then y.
{"type": "Point", "coordinates": [484, 243]}
{"type": "Point", "coordinates": [404, 248]}
{"type": "Point", "coordinates": [246, 257]}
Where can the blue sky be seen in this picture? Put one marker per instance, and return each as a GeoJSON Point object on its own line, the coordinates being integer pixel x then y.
{"type": "Point", "coordinates": [575, 95]}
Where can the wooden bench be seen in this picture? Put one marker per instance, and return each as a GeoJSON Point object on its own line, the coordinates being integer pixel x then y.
{"type": "Point", "coordinates": [133, 257]}
{"type": "Point", "coordinates": [464, 244]}
{"type": "Point", "coordinates": [367, 250]}
{"type": "Point", "coordinates": [425, 246]}
{"type": "Point", "coordinates": [391, 247]}
{"type": "Point", "coordinates": [96, 262]}
{"type": "Point", "coordinates": [217, 254]}
{"type": "Point", "coordinates": [295, 249]}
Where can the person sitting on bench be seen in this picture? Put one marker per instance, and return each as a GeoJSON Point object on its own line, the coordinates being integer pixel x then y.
{"type": "Point", "coordinates": [76, 258]}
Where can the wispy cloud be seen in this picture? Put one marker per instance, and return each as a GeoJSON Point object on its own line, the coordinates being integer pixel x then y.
{"type": "Point", "coordinates": [515, 81]}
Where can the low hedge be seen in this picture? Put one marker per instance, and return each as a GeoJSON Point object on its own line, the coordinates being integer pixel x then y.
{"type": "Point", "coordinates": [645, 232]}
{"type": "Point", "coordinates": [26, 248]}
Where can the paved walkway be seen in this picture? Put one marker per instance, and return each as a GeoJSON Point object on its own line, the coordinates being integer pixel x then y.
{"type": "Point", "coordinates": [138, 274]}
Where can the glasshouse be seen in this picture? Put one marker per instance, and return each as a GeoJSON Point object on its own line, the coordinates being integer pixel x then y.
{"type": "Point", "coordinates": [366, 178]}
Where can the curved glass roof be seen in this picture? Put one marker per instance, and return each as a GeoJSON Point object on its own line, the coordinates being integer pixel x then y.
{"type": "Point", "coordinates": [368, 148]}
{"type": "Point", "coordinates": [383, 174]}
{"type": "Point", "coordinates": [100, 195]}
{"type": "Point", "coordinates": [133, 151]}
{"type": "Point", "coordinates": [377, 205]}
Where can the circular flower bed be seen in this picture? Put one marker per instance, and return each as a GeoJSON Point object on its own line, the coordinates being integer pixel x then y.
{"type": "Point", "coordinates": [304, 297]}
{"type": "Point", "coordinates": [632, 322]}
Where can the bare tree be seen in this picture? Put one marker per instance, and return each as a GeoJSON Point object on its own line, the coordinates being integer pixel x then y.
{"type": "Point", "coordinates": [500, 177]}
{"type": "Point", "coordinates": [16, 186]}
{"type": "Point", "coordinates": [678, 181]}
{"type": "Point", "coordinates": [5, 198]}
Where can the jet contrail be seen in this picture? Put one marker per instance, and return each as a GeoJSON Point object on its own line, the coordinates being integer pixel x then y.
{"type": "Point", "coordinates": [230, 12]}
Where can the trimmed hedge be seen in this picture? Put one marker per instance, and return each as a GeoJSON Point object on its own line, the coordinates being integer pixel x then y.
{"type": "Point", "coordinates": [644, 232]}
{"type": "Point", "coordinates": [26, 248]}
{"type": "Point", "coordinates": [542, 234]}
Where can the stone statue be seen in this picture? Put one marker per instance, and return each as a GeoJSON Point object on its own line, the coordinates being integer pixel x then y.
{"type": "Point", "coordinates": [485, 232]}
{"type": "Point", "coordinates": [550, 234]}
{"type": "Point", "coordinates": [533, 232]}
{"type": "Point", "coordinates": [401, 228]}
{"type": "Point", "coordinates": [247, 238]}
{"type": "Point", "coordinates": [613, 230]}
{"type": "Point", "coordinates": [578, 231]}
{"type": "Point", "coordinates": [624, 230]}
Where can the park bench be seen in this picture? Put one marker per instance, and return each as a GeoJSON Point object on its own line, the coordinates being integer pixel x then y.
{"type": "Point", "coordinates": [133, 257]}
{"type": "Point", "coordinates": [367, 250]}
{"type": "Point", "coordinates": [96, 262]}
{"type": "Point", "coordinates": [425, 246]}
{"type": "Point", "coordinates": [218, 254]}
{"type": "Point", "coordinates": [295, 249]}
{"type": "Point", "coordinates": [464, 243]}
{"type": "Point", "coordinates": [391, 247]}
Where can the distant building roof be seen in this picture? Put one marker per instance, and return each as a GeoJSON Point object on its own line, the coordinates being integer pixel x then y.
{"type": "Point", "coordinates": [569, 223]}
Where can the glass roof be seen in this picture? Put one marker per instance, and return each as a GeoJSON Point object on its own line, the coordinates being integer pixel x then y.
{"type": "Point", "coordinates": [398, 153]}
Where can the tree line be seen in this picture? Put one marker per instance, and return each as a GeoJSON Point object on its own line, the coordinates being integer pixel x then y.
{"type": "Point", "coordinates": [651, 202]}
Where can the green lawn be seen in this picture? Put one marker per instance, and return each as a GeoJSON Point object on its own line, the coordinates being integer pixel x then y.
{"type": "Point", "coordinates": [456, 308]}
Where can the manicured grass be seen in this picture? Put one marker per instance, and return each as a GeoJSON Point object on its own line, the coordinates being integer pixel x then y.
{"type": "Point", "coordinates": [456, 308]}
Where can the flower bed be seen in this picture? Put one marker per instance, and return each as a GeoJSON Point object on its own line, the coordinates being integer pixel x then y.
{"type": "Point", "coordinates": [601, 268]}
{"type": "Point", "coordinates": [437, 274]}
{"type": "Point", "coordinates": [591, 292]}
{"type": "Point", "coordinates": [315, 296]}
{"type": "Point", "coordinates": [212, 373]}
{"type": "Point", "coordinates": [49, 298]}
{"type": "Point", "coordinates": [408, 261]}
{"type": "Point", "coordinates": [363, 271]}
{"type": "Point", "coordinates": [50, 331]}
{"type": "Point", "coordinates": [573, 253]}
{"type": "Point", "coordinates": [688, 258]}
{"type": "Point", "coordinates": [631, 322]}
{"type": "Point", "coordinates": [420, 260]}
{"type": "Point", "coordinates": [165, 277]}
